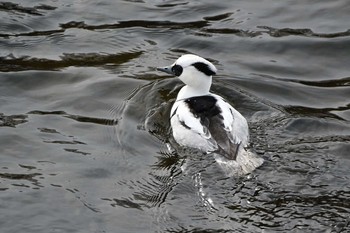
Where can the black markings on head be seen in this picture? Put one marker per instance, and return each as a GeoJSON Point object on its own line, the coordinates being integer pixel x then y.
{"type": "Point", "coordinates": [204, 68]}
{"type": "Point", "coordinates": [177, 70]}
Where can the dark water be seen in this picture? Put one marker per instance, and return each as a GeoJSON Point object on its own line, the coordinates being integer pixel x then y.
{"type": "Point", "coordinates": [84, 116]}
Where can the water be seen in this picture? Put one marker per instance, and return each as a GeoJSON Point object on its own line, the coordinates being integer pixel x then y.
{"type": "Point", "coordinates": [84, 116]}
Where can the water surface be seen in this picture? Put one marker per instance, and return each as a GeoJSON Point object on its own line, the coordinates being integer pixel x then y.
{"type": "Point", "coordinates": [84, 116]}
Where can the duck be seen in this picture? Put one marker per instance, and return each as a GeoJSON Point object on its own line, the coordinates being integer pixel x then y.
{"type": "Point", "coordinates": [206, 121]}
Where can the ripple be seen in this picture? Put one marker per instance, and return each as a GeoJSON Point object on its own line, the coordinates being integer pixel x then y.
{"type": "Point", "coordinates": [13, 176]}
{"type": "Point", "coordinates": [12, 120]}
{"type": "Point", "coordinates": [137, 23]}
{"type": "Point", "coordinates": [275, 32]}
{"type": "Point", "coordinates": [18, 179]}
{"type": "Point", "coordinates": [85, 119]}
{"type": "Point", "coordinates": [169, 5]}
{"type": "Point", "coordinates": [153, 190]}
{"type": "Point", "coordinates": [317, 112]}
{"type": "Point", "coordinates": [237, 32]}
{"type": "Point", "coordinates": [203, 25]}
{"type": "Point", "coordinates": [125, 203]}
{"type": "Point", "coordinates": [218, 17]}
{"type": "Point", "coordinates": [83, 59]}
{"type": "Point", "coordinates": [342, 82]}
{"type": "Point", "coordinates": [74, 142]}
{"type": "Point", "coordinates": [76, 151]}
{"type": "Point", "coordinates": [13, 7]}
{"type": "Point", "coordinates": [119, 25]}
{"type": "Point", "coordinates": [46, 130]}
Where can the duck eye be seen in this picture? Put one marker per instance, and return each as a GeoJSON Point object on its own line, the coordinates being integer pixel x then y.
{"type": "Point", "coordinates": [177, 70]}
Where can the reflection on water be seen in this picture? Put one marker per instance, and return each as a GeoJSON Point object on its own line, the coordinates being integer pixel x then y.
{"type": "Point", "coordinates": [84, 116]}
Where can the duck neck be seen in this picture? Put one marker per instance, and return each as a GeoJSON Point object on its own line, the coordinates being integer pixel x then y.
{"type": "Point", "coordinates": [191, 91]}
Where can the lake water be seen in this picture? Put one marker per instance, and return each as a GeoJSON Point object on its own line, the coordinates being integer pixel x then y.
{"type": "Point", "coordinates": [84, 115]}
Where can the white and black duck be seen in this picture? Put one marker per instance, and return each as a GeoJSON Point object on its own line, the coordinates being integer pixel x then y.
{"type": "Point", "coordinates": [205, 121]}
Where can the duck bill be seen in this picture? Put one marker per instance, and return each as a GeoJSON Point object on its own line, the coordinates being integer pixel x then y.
{"type": "Point", "coordinates": [166, 69]}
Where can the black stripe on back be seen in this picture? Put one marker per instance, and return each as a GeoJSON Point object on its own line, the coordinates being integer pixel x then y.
{"type": "Point", "coordinates": [203, 106]}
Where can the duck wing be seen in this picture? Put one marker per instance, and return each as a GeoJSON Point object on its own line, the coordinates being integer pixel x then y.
{"type": "Point", "coordinates": [217, 119]}
{"type": "Point", "coordinates": [228, 146]}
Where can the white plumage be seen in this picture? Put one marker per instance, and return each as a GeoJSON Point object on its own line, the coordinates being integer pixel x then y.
{"type": "Point", "coordinates": [205, 121]}
{"type": "Point", "coordinates": [234, 124]}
